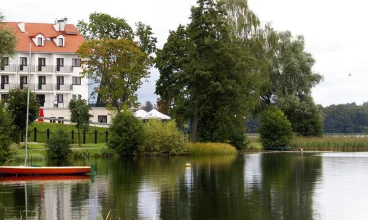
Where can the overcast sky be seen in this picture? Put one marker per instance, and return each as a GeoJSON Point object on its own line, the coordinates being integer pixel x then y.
{"type": "Point", "coordinates": [335, 33]}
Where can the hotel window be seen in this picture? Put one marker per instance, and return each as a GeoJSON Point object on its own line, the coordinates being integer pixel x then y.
{"type": "Point", "coordinates": [23, 79]}
{"type": "Point", "coordinates": [60, 98]}
{"type": "Point", "coordinates": [102, 118]}
{"type": "Point", "coordinates": [42, 80]}
{"type": "Point", "coordinates": [4, 62]}
{"type": "Point", "coordinates": [39, 41]}
{"type": "Point", "coordinates": [4, 79]}
{"type": "Point", "coordinates": [61, 42]}
{"type": "Point", "coordinates": [23, 61]}
{"type": "Point", "coordinates": [76, 80]}
{"type": "Point", "coordinates": [76, 62]}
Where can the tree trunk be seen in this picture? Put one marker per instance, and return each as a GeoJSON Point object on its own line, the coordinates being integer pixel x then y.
{"type": "Point", "coordinates": [195, 123]}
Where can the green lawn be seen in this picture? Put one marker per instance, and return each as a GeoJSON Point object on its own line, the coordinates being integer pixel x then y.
{"type": "Point", "coordinates": [41, 132]}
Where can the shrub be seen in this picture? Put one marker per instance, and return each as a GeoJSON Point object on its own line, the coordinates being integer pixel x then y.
{"type": "Point", "coordinates": [211, 149]}
{"type": "Point", "coordinates": [162, 138]}
{"type": "Point", "coordinates": [5, 134]}
{"type": "Point", "coordinates": [275, 129]}
{"type": "Point", "coordinates": [125, 133]}
{"type": "Point", "coordinates": [59, 145]}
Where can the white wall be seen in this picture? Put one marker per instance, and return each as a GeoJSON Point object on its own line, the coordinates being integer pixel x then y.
{"type": "Point", "coordinates": [64, 112]}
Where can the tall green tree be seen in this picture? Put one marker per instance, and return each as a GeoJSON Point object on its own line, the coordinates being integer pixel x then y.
{"type": "Point", "coordinates": [210, 75]}
{"type": "Point", "coordinates": [79, 115]}
{"type": "Point", "coordinates": [105, 27]}
{"type": "Point", "coordinates": [6, 127]}
{"type": "Point", "coordinates": [17, 107]}
{"type": "Point", "coordinates": [7, 39]}
{"type": "Point", "coordinates": [119, 65]}
{"type": "Point", "coordinates": [291, 79]}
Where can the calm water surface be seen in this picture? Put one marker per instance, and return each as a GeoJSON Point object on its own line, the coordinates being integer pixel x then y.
{"type": "Point", "coordinates": [250, 186]}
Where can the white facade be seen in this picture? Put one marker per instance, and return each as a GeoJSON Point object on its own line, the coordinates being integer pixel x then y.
{"type": "Point", "coordinates": [55, 77]}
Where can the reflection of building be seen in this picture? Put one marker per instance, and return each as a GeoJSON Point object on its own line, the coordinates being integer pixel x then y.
{"type": "Point", "coordinates": [148, 202]}
{"type": "Point", "coordinates": [56, 201]}
{"type": "Point", "coordinates": [252, 170]}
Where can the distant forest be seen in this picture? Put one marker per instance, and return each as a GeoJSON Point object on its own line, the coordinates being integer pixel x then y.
{"type": "Point", "coordinates": [344, 118]}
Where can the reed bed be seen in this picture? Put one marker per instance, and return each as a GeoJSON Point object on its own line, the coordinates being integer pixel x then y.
{"type": "Point", "coordinates": [211, 149]}
{"type": "Point", "coordinates": [331, 143]}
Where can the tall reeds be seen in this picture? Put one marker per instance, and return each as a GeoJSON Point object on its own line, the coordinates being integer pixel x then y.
{"type": "Point", "coordinates": [331, 143]}
{"type": "Point", "coordinates": [211, 149]}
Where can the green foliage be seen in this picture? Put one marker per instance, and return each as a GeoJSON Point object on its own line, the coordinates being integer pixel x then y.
{"type": "Point", "coordinates": [290, 82]}
{"type": "Point", "coordinates": [125, 133]}
{"type": "Point", "coordinates": [119, 65]}
{"type": "Point", "coordinates": [209, 74]}
{"type": "Point", "coordinates": [5, 134]}
{"type": "Point", "coordinates": [105, 27]}
{"type": "Point", "coordinates": [331, 143]}
{"type": "Point", "coordinates": [162, 138]}
{"type": "Point", "coordinates": [347, 118]}
{"type": "Point", "coordinates": [79, 115]}
{"type": "Point", "coordinates": [17, 107]}
{"type": "Point", "coordinates": [8, 39]}
{"type": "Point", "coordinates": [210, 149]}
{"type": "Point", "coordinates": [275, 130]}
{"type": "Point", "coordinates": [59, 145]}
{"type": "Point", "coordinates": [303, 114]}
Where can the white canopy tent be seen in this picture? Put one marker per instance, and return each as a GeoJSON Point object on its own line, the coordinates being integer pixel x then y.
{"type": "Point", "coordinates": [156, 114]}
{"type": "Point", "coordinates": [140, 113]}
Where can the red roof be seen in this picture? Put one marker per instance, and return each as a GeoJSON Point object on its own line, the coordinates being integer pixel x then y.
{"type": "Point", "coordinates": [72, 41]}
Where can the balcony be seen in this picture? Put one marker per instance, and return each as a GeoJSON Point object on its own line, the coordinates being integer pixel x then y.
{"type": "Point", "coordinates": [39, 87]}
{"type": "Point", "coordinates": [13, 68]}
{"type": "Point", "coordinates": [45, 87]}
{"type": "Point", "coordinates": [9, 68]}
{"type": "Point", "coordinates": [65, 87]}
{"type": "Point", "coordinates": [15, 86]}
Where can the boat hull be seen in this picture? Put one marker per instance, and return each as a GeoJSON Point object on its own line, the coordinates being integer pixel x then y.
{"type": "Point", "coordinates": [29, 171]}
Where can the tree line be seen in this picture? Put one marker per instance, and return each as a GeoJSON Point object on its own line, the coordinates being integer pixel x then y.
{"type": "Point", "coordinates": [342, 118]}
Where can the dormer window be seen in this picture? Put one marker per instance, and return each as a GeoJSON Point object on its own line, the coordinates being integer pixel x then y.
{"type": "Point", "coordinates": [39, 41]}
{"type": "Point", "coordinates": [60, 42]}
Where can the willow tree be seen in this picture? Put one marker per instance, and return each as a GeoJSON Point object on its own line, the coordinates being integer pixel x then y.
{"type": "Point", "coordinates": [120, 63]}
{"type": "Point", "coordinates": [291, 79]}
{"type": "Point", "coordinates": [209, 75]}
{"type": "Point", "coordinates": [105, 27]}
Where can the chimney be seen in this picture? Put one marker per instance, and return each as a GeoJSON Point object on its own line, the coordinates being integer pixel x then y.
{"type": "Point", "coordinates": [60, 24]}
{"type": "Point", "coordinates": [22, 27]}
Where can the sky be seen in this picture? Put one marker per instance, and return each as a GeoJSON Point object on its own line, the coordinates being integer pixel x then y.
{"type": "Point", "coordinates": [334, 32]}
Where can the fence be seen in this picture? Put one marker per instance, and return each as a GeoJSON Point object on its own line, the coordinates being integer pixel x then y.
{"type": "Point", "coordinates": [86, 137]}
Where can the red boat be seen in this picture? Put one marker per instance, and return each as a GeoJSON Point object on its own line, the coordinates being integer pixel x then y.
{"type": "Point", "coordinates": [31, 171]}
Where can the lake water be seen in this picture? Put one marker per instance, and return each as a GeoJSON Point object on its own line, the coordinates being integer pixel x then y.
{"type": "Point", "coordinates": [248, 186]}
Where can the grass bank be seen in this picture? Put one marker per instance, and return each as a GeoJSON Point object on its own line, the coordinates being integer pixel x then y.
{"type": "Point", "coordinates": [42, 127]}
{"type": "Point", "coordinates": [210, 149]}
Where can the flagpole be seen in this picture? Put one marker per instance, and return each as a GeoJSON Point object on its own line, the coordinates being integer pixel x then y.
{"type": "Point", "coordinates": [27, 117]}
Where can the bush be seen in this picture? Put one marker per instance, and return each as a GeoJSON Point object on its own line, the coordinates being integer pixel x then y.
{"type": "Point", "coordinates": [211, 149]}
{"type": "Point", "coordinates": [125, 133]}
{"type": "Point", "coordinates": [59, 145]}
{"type": "Point", "coordinates": [162, 138]}
{"type": "Point", "coordinates": [275, 130]}
{"type": "Point", "coordinates": [5, 134]}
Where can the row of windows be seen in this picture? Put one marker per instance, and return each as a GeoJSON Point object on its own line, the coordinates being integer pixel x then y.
{"type": "Point", "coordinates": [59, 40]}
{"type": "Point", "coordinates": [76, 62]}
{"type": "Point", "coordinates": [76, 80]}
